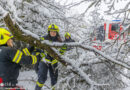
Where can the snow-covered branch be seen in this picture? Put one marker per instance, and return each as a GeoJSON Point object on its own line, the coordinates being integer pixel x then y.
{"type": "Point", "coordinates": [29, 38]}
{"type": "Point", "coordinates": [90, 48]}
{"type": "Point", "coordinates": [76, 44]}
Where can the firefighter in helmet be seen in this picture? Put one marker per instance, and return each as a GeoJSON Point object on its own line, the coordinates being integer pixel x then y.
{"type": "Point", "coordinates": [11, 59]}
{"type": "Point", "coordinates": [49, 63]}
{"type": "Point", "coordinates": [68, 39]}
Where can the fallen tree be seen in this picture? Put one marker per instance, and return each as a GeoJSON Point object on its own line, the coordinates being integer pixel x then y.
{"type": "Point", "coordinates": [32, 39]}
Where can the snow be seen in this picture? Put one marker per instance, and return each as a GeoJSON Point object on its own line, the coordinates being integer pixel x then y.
{"type": "Point", "coordinates": [33, 19]}
{"type": "Point", "coordinates": [27, 79]}
{"type": "Point", "coordinates": [45, 11]}
{"type": "Point", "coordinates": [77, 44]}
{"type": "Point", "coordinates": [27, 32]}
{"type": "Point", "coordinates": [13, 9]}
{"type": "Point", "coordinates": [128, 88]}
{"type": "Point", "coordinates": [126, 80]}
{"type": "Point", "coordinates": [4, 12]}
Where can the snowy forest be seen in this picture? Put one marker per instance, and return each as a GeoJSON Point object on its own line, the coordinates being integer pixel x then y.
{"type": "Point", "coordinates": [84, 67]}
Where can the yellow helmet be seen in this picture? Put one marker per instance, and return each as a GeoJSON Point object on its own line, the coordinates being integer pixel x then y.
{"type": "Point", "coordinates": [53, 27]}
{"type": "Point", "coordinates": [67, 34]}
{"type": "Point", "coordinates": [5, 35]}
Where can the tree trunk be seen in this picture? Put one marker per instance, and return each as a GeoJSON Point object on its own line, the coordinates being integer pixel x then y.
{"type": "Point", "coordinates": [19, 35]}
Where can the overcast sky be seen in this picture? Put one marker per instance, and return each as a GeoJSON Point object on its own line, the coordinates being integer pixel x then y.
{"type": "Point", "coordinates": [82, 7]}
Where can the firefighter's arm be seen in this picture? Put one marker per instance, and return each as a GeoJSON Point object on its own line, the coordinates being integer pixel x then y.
{"type": "Point", "coordinates": [32, 50]}
{"type": "Point", "coordinates": [35, 51]}
{"type": "Point", "coordinates": [18, 57]}
{"type": "Point", "coordinates": [63, 49]}
{"type": "Point", "coordinates": [26, 51]}
{"type": "Point", "coordinates": [42, 38]}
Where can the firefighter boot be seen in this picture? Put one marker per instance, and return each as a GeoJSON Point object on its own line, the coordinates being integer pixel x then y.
{"type": "Point", "coordinates": [53, 87]}
{"type": "Point", "coordinates": [37, 87]}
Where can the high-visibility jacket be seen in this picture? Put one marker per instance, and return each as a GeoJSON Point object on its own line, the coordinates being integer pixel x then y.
{"type": "Point", "coordinates": [10, 60]}
{"type": "Point", "coordinates": [47, 64]}
{"type": "Point", "coordinates": [69, 40]}
{"type": "Point", "coordinates": [65, 48]}
{"type": "Point", "coordinates": [35, 51]}
{"type": "Point", "coordinates": [49, 58]}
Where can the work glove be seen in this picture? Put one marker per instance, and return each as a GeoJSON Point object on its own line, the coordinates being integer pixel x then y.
{"type": "Point", "coordinates": [63, 49]}
{"type": "Point", "coordinates": [42, 38]}
{"type": "Point", "coordinates": [53, 87]}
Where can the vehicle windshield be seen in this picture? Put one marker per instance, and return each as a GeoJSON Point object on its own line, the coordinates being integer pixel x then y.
{"type": "Point", "coordinates": [115, 27]}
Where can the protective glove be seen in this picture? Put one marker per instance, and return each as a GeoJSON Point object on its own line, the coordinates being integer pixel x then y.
{"type": "Point", "coordinates": [42, 38]}
{"type": "Point", "coordinates": [54, 62]}
{"type": "Point", "coordinates": [63, 49]}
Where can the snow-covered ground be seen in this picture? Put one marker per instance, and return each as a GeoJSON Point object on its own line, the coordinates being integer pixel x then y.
{"type": "Point", "coordinates": [27, 79]}
{"type": "Point", "coordinates": [128, 88]}
{"type": "Point", "coordinates": [126, 80]}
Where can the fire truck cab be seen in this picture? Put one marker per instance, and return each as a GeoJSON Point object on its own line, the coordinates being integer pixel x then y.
{"type": "Point", "coordinates": [110, 31]}
{"type": "Point", "coordinates": [113, 30]}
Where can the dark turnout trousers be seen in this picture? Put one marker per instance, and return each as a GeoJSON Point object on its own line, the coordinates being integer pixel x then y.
{"type": "Point", "coordinates": [42, 74]}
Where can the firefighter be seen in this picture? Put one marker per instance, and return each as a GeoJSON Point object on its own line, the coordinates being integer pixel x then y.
{"type": "Point", "coordinates": [68, 39]}
{"type": "Point", "coordinates": [11, 59]}
{"type": "Point", "coordinates": [49, 63]}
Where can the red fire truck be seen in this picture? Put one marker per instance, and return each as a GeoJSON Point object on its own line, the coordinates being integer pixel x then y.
{"type": "Point", "coordinates": [113, 30]}
{"type": "Point", "coordinates": [110, 31]}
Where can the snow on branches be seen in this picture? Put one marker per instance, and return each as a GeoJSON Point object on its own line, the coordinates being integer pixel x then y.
{"type": "Point", "coordinates": [49, 47]}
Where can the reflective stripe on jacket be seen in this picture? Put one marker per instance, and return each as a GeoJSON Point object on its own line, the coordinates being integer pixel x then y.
{"type": "Point", "coordinates": [10, 60]}
{"type": "Point", "coordinates": [48, 58]}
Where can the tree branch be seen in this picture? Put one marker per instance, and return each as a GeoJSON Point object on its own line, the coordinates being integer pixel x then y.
{"type": "Point", "coordinates": [20, 35]}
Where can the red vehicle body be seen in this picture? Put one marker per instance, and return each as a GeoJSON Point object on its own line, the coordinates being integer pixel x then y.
{"type": "Point", "coordinates": [113, 31]}
{"type": "Point", "coordinates": [108, 32]}
{"type": "Point", "coordinates": [3, 88]}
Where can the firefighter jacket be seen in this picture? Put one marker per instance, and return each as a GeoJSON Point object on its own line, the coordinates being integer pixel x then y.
{"type": "Point", "coordinates": [35, 51]}
{"type": "Point", "coordinates": [65, 48]}
{"type": "Point", "coordinates": [69, 40]}
{"type": "Point", "coordinates": [10, 60]}
{"type": "Point", "coordinates": [47, 64]}
{"type": "Point", "coordinates": [48, 58]}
